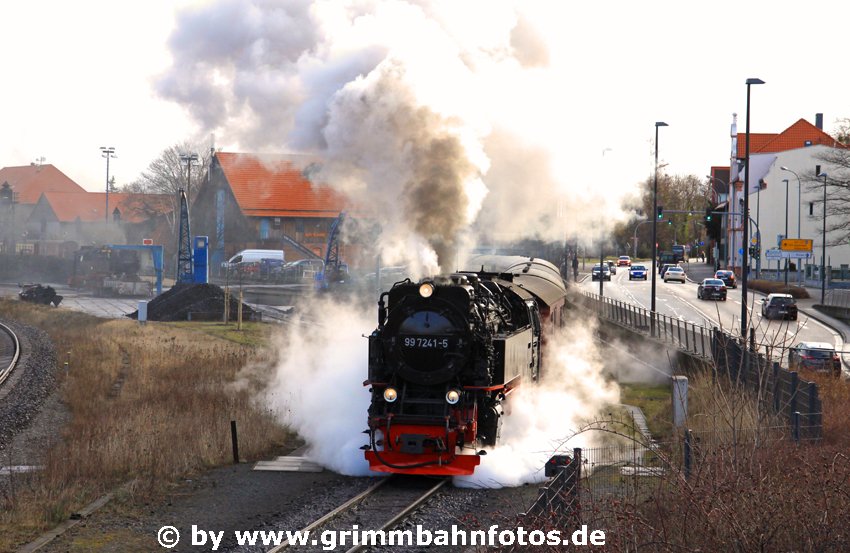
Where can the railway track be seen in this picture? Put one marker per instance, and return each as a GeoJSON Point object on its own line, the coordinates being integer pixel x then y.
{"type": "Point", "coordinates": [380, 507]}
{"type": "Point", "coordinates": [10, 351]}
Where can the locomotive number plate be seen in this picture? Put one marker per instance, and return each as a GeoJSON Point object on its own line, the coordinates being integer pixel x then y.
{"type": "Point", "coordinates": [425, 342]}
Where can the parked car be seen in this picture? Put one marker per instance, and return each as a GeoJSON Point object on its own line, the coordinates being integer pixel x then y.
{"type": "Point", "coordinates": [663, 268]}
{"type": "Point", "coordinates": [303, 269]}
{"type": "Point", "coordinates": [624, 261]}
{"type": "Point", "coordinates": [612, 267]}
{"type": "Point", "coordinates": [817, 356]}
{"type": "Point", "coordinates": [779, 306]}
{"type": "Point", "coordinates": [728, 278]}
{"type": "Point", "coordinates": [603, 272]}
{"type": "Point", "coordinates": [711, 288]}
{"type": "Point", "coordinates": [638, 272]}
{"type": "Point", "coordinates": [675, 273]}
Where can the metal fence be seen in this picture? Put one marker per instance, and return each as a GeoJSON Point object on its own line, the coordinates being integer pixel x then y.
{"type": "Point", "coordinates": [776, 388]}
{"type": "Point", "coordinates": [838, 298]}
{"type": "Point", "coordinates": [558, 503]}
{"type": "Point", "coordinates": [688, 337]}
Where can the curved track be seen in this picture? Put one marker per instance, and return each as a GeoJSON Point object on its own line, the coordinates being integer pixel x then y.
{"type": "Point", "coordinates": [10, 351]}
{"type": "Point", "coordinates": [381, 507]}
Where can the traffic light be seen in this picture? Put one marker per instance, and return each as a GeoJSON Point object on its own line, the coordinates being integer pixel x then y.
{"type": "Point", "coordinates": [669, 221]}
{"type": "Point", "coordinates": [660, 210]}
{"type": "Point", "coordinates": [708, 215]}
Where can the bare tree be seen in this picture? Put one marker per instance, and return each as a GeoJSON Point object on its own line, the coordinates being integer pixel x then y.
{"type": "Point", "coordinates": [168, 173]}
{"type": "Point", "coordinates": [837, 160]}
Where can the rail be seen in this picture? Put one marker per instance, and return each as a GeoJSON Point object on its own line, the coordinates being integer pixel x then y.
{"type": "Point", "coordinates": [5, 372]}
{"type": "Point", "coordinates": [358, 499]}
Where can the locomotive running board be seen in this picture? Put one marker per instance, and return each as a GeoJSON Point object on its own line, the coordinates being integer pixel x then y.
{"type": "Point", "coordinates": [405, 463]}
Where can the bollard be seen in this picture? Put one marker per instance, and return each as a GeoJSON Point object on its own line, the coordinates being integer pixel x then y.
{"type": "Point", "coordinates": [688, 453]}
{"type": "Point", "coordinates": [234, 440]}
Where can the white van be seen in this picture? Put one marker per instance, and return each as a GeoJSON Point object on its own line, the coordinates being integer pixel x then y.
{"type": "Point", "coordinates": [252, 256]}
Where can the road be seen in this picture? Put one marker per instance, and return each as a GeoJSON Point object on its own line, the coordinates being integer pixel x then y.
{"type": "Point", "coordinates": [680, 302]}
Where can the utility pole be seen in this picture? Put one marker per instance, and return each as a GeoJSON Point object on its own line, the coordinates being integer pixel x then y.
{"type": "Point", "coordinates": [107, 152]}
{"type": "Point", "coordinates": [189, 159]}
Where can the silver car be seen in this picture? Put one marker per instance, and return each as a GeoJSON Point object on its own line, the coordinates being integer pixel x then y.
{"type": "Point", "coordinates": [675, 273]}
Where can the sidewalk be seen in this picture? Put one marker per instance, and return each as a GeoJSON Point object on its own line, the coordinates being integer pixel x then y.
{"type": "Point", "coordinates": [697, 271]}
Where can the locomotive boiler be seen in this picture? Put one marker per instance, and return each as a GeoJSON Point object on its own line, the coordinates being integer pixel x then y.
{"type": "Point", "coordinates": [446, 356]}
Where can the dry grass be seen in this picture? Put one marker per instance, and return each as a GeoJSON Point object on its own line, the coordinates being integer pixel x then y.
{"type": "Point", "coordinates": [149, 404]}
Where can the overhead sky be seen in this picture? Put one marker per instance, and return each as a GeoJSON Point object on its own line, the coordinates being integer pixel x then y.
{"type": "Point", "coordinates": [80, 75]}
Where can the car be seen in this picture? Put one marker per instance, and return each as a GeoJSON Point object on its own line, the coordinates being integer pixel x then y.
{"type": "Point", "coordinates": [728, 278]}
{"type": "Point", "coordinates": [303, 269]}
{"type": "Point", "coordinates": [638, 272]}
{"type": "Point", "coordinates": [624, 261]}
{"type": "Point", "coordinates": [612, 267]}
{"type": "Point", "coordinates": [604, 271]}
{"type": "Point", "coordinates": [675, 273]}
{"type": "Point", "coordinates": [711, 288]}
{"type": "Point", "coordinates": [780, 306]}
{"type": "Point", "coordinates": [663, 268]}
{"type": "Point", "coordinates": [817, 356]}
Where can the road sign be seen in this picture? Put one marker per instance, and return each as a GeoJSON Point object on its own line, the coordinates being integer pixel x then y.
{"type": "Point", "coordinates": [796, 245]}
{"type": "Point", "coordinates": [773, 253]}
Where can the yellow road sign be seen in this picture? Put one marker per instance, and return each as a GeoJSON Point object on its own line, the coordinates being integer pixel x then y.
{"type": "Point", "coordinates": [796, 245]}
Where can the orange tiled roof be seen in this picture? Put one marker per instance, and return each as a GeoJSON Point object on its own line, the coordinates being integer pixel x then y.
{"type": "Point", "coordinates": [89, 206]}
{"type": "Point", "coordinates": [791, 138]}
{"type": "Point", "coordinates": [274, 186]}
{"type": "Point", "coordinates": [30, 181]}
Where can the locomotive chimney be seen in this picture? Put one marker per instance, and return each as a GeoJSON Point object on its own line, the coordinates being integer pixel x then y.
{"type": "Point", "coordinates": [819, 121]}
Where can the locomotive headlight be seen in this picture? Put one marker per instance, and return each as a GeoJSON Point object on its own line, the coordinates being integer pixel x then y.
{"type": "Point", "coordinates": [390, 395]}
{"type": "Point", "coordinates": [452, 396]}
{"type": "Point", "coordinates": [426, 289]}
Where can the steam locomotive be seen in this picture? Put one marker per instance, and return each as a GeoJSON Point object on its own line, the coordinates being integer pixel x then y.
{"type": "Point", "coordinates": [446, 356]}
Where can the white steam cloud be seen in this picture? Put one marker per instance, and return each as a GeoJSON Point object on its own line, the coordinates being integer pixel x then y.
{"type": "Point", "coordinates": [444, 120]}
{"type": "Point", "coordinates": [546, 418]}
{"type": "Point", "coordinates": [318, 392]}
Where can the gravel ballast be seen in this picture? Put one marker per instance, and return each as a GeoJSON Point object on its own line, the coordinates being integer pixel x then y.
{"type": "Point", "coordinates": [29, 384]}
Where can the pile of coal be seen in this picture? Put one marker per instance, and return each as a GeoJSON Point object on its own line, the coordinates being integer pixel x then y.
{"type": "Point", "coordinates": [42, 295]}
{"type": "Point", "coordinates": [196, 302]}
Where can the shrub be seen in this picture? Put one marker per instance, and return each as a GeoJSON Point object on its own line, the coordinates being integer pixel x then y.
{"type": "Point", "coordinates": [774, 287]}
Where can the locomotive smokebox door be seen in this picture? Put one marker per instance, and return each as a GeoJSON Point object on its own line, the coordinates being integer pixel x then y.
{"type": "Point", "coordinates": [555, 463]}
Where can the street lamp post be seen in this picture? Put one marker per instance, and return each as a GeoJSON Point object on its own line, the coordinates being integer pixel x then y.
{"type": "Point", "coordinates": [786, 227]}
{"type": "Point", "coordinates": [107, 152]}
{"type": "Point", "coordinates": [655, 226]}
{"type": "Point", "coordinates": [635, 237]}
{"type": "Point", "coordinates": [189, 159]}
{"type": "Point", "coordinates": [799, 198]}
{"type": "Point", "coordinates": [745, 242]}
{"type": "Point", "coordinates": [823, 252]}
{"type": "Point", "coordinates": [799, 212]}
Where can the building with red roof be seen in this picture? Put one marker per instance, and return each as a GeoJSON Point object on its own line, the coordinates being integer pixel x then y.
{"type": "Point", "coordinates": [783, 195]}
{"type": "Point", "coordinates": [80, 217]}
{"type": "Point", "coordinates": [265, 202]}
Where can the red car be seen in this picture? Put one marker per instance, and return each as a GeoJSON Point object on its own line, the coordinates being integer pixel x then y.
{"type": "Point", "coordinates": [624, 261]}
